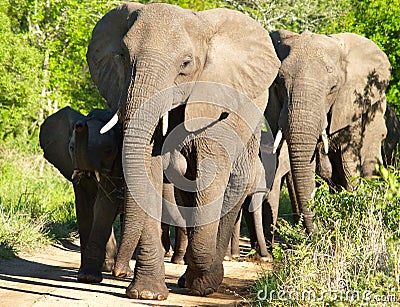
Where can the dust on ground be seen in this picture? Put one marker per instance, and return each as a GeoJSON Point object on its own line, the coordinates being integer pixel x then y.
{"type": "Point", "coordinates": [48, 278]}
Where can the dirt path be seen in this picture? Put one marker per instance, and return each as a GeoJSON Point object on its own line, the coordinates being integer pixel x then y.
{"type": "Point", "coordinates": [49, 279]}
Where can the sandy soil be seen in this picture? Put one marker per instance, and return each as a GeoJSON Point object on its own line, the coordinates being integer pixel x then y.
{"type": "Point", "coordinates": [48, 278]}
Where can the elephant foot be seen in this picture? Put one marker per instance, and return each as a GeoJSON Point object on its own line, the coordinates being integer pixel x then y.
{"type": "Point", "coordinates": [108, 265]}
{"type": "Point", "coordinates": [231, 257]}
{"type": "Point", "coordinates": [147, 288]}
{"type": "Point", "coordinates": [177, 259]}
{"type": "Point", "coordinates": [122, 271]}
{"type": "Point", "coordinates": [227, 257]}
{"type": "Point", "coordinates": [266, 258]}
{"type": "Point", "coordinates": [204, 283]}
{"type": "Point", "coordinates": [89, 276]}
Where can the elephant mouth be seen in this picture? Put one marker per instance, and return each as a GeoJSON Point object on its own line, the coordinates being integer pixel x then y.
{"type": "Point", "coordinates": [78, 174]}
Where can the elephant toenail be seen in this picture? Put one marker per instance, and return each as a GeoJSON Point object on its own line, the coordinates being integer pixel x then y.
{"type": "Point", "coordinates": [132, 293]}
{"type": "Point", "coordinates": [208, 291]}
{"type": "Point", "coordinates": [160, 297]}
{"type": "Point", "coordinates": [195, 292]}
{"type": "Point", "coordinates": [147, 295]}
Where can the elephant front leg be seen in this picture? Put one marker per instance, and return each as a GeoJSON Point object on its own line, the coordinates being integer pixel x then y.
{"type": "Point", "coordinates": [203, 277]}
{"type": "Point", "coordinates": [101, 236]}
{"type": "Point", "coordinates": [149, 275]}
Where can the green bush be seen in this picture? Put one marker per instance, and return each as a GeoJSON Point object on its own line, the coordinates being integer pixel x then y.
{"type": "Point", "coordinates": [36, 202]}
{"type": "Point", "coordinates": [356, 252]}
{"type": "Point", "coordinates": [379, 21]}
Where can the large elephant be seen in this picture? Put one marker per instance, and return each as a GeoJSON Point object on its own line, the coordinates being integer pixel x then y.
{"type": "Point", "coordinates": [136, 54]}
{"type": "Point", "coordinates": [324, 169]}
{"type": "Point", "coordinates": [92, 162]}
{"type": "Point", "coordinates": [331, 89]}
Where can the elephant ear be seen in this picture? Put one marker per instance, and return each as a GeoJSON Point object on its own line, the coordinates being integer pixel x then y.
{"type": "Point", "coordinates": [106, 57]}
{"type": "Point", "coordinates": [282, 40]}
{"type": "Point", "coordinates": [240, 55]}
{"type": "Point", "coordinates": [367, 74]}
{"type": "Point", "coordinates": [54, 136]}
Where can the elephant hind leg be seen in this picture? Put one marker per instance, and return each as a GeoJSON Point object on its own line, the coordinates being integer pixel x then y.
{"type": "Point", "coordinates": [181, 243]}
{"type": "Point", "coordinates": [111, 252]}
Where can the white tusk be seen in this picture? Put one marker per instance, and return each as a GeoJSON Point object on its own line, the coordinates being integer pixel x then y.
{"type": "Point", "coordinates": [97, 175]}
{"type": "Point", "coordinates": [277, 141]}
{"type": "Point", "coordinates": [165, 123]}
{"type": "Point", "coordinates": [325, 141]}
{"type": "Point", "coordinates": [74, 174]}
{"type": "Point", "coordinates": [112, 122]}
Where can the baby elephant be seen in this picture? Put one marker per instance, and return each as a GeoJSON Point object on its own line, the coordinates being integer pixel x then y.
{"type": "Point", "coordinates": [92, 162]}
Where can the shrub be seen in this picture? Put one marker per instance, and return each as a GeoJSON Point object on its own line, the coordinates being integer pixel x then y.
{"type": "Point", "coordinates": [355, 257]}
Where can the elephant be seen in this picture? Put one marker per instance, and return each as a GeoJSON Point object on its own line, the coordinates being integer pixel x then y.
{"type": "Point", "coordinates": [159, 64]}
{"type": "Point", "coordinates": [324, 167]}
{"type": "Point", "coordinates": [92, 162]}
{"type": "Point", "coordinates": [389, 148]}
{"type": "Point", "coordinates": [331, 88]}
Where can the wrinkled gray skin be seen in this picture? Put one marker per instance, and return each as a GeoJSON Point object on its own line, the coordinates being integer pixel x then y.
{"type": "Point", "coordinates": [335, 83]}
{"type": "Point", "coordinates": [71, 141]}
{"type": "Point", "coordinates": [252, 210]}
{"type": "Point", "coordinates": [138, 50]}
{"type": "Point", "coordinates": [324, 169]}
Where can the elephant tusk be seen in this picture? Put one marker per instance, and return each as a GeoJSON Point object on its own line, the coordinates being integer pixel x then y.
{"type": "Point", "coordinates": [112, 122]}
{"type": "Point", "coordinates": [75, 173]}
{"type": "Point", "coordinates": [165, 123]}
{"type": "Point", "coordinates": [97, 175]}
{"type": "Point", "coordinates": [324, 137]}
{"type": "Point", "coordinates": [277, 141]}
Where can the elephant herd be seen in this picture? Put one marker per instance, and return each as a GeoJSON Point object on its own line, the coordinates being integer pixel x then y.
{"type": "Point", "coordinates": [188, 95]}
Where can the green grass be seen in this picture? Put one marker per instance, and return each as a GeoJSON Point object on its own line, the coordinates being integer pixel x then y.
{"type": "Point", "coordinates": [36, 202]}
{"type": "Point", "coordinates": [353, 260]}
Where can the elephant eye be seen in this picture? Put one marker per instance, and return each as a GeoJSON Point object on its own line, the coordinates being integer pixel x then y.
{"type": "Point", "coordinates": [71, 148]}
{"type": "Point", "coordinates": [185, 64]}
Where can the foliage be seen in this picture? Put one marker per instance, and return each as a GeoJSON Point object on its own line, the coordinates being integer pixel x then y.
{"type": "Point", "coordinates": [353, 259]}
{"type": "Point", "coordinates": [293, 15]}
{"type": "Point", "coordinates": [30, 217]}
{"type": "Point", "coordinates": [20, 79]}
{"type": "Point", "coordinates": [379, 21]}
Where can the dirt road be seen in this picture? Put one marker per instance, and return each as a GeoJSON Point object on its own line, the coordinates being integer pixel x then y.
{"type": "Point", "coordinates": [48, 278]}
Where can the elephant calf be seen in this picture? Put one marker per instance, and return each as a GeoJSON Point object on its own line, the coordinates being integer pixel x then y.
{"type": "Point", "coordinates": [92, 162]}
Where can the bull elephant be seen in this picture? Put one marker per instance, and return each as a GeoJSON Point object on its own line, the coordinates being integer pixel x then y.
{"type": "Point", "coordinates": [331, 90]}
{"type": "Point", "coordinates": [92, 162]}
{"type": "Point", "coordinates": [156, 63]}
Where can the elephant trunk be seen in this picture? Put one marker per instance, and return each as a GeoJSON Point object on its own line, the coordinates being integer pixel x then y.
{"type": "Point", "coordinates": [142, 168]}
{"type": "Point", "coordinates": [81, 159]}
{"type": "Point", "coordinates": [304, 129]}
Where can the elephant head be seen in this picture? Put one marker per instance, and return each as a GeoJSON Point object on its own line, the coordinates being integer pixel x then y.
{"type": "Point", "coordinates": [330, 87]}
{"type": "Point", "coordinates": [137, 52]}
{"type": "Point", "coordinates": [73, 144]}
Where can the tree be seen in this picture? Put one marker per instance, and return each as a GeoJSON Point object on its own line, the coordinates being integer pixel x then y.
{"type": "Point", "coordinates": [379, 21]}
{"type": "Point", "coordinates": [20, 81]}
